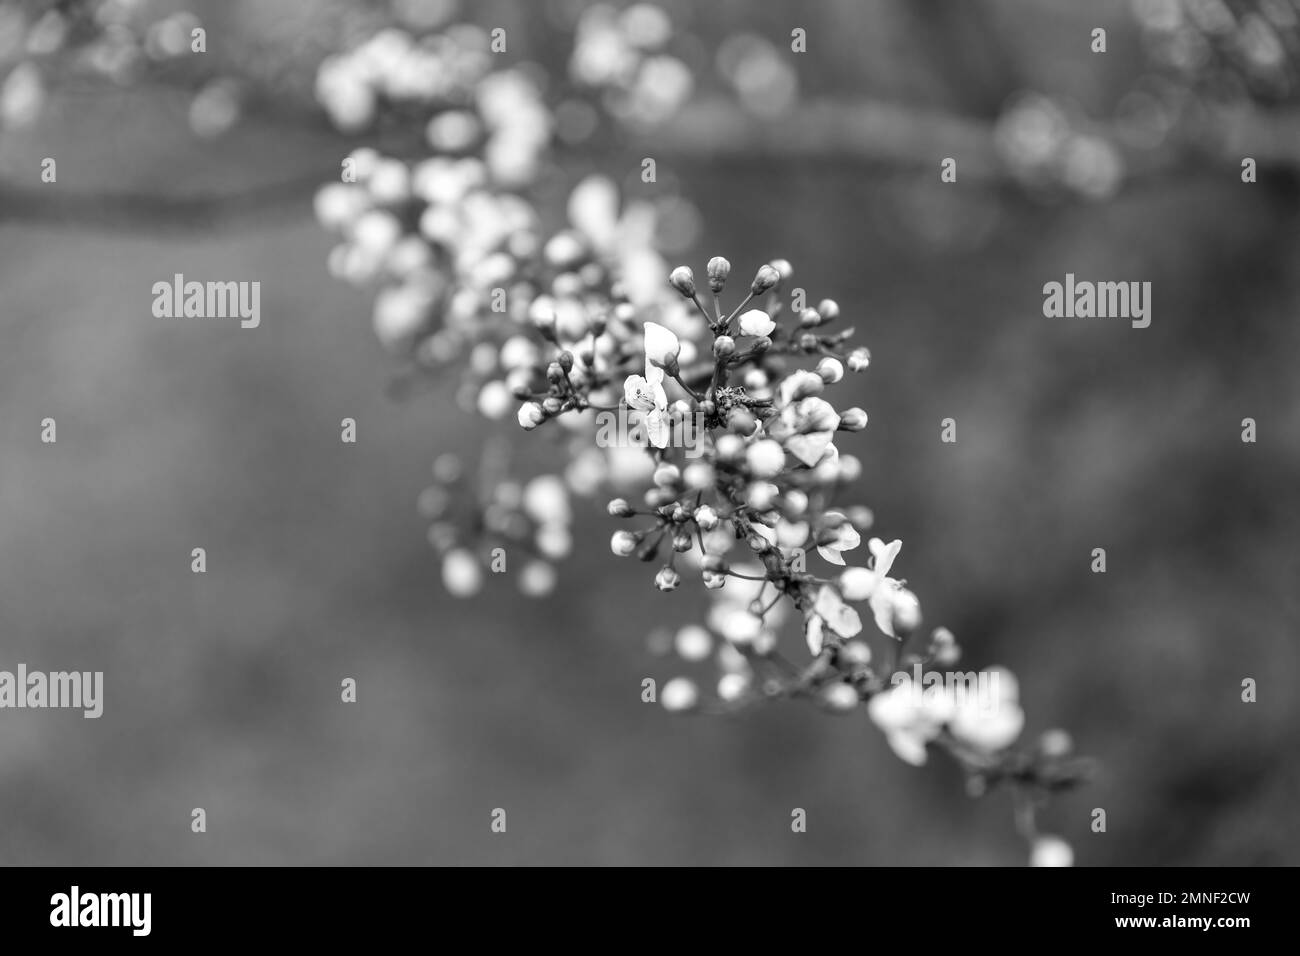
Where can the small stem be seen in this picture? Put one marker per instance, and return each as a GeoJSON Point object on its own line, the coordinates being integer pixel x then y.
{"type": "Point", "coordinates": [747, 577]}
{"type": "Point", "coordinates": [703, 311]}
{"type": "Point", "coordinates": [677, 377]}
{"type": "Point", "coordinates": [736, 312]}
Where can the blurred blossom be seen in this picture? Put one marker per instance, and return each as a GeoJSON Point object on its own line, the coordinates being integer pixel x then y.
{"type": "Point", "coordinates": [1051, 851]}
{"type": "Point", "coordinates": [763, 78]}
{"type": "Point", "coordinates": [1042, 147]}
{"type": "Point", "coordinates": [215, 109]}
{"type": "Point", "coordinates": [1093, 167]}
{"type": "Point", "coordinates": [171, 36]}
{"type": "Point", "coordinates": [617, 54]}
{"type": "Point", "coordinates": [645, 26]}
{"type": "Point", "coordinates": [46, 36]}
{"type": "Point", "coordinates": [21, 96]}
{"type": "Point", "coordinates": [461, 573]}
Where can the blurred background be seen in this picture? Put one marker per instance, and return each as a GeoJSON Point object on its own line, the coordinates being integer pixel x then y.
{"type": "Point", "coordinates": [222, 689]}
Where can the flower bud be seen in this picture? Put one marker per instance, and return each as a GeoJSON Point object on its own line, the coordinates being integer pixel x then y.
{"type": "Point", "coordinates": [810, 319]}
{"type": "Point", "coordinates": [839, 698]}
{"type": "Point", "coordinates": [729, 447]}
{"type": "Point", "coordinates": [856, 654]}
{"type": "Point", "coordinates": [461, 573]}
{"type": "Point", "coordinates": [679, 695]}
{"type": "Point", "coordinates": [551, 405]}
{"type": "Point", "coordinates": [619, 508]}
{"type": "Point", "coordinates": [667, 579]}
{"type": "Point", "coordinates": [830, 369]}
{"type": "Point", "coordinates": [683, 280]}
{"type": "Point", "coordinates": [623, 543]}
{"type": "Point", "coordinates": [554, 373]}
{"type": "Point", "coordinates": [681, 542]}
{"type": "Point", "coordinates": [706, 518]}
{"type": "Point", "coordinates": [859, 359]}
{"type": "Point", "coordinates": [794, 503]}
{"type": "Point", "coordinates": [565, 360]}
{"type": "Point", "coordinates": [724, 346]}
{"type": "Point", "coordinates": [856, 584]}
{"type": "Point", "coordinates": [537, 579]}
{"type": "Point", "coordinates": [713, 580]}
{"type": "Point", "coordinates": [741, 421]}
{"type": "Point", "coordinates": [783, 268]}
{"type": "Point", "coordinates": [693, 643]}
{"type": "Point", "coordinates": [1050, 850]}
{"type": "Point", "coordinates": [853, 420]}
{"type": "Point", "coordinates": [667, 476]}
{"type": "Point", "coordinates": [718, 269]}
{"type": "Point", "coordinates": [732, 687]}
{"type": "Point", "coordinates": [760, 495]}
{"type": "Point", "coordinates": [765, 458]}
{"type": "Point", "coordinates": [828, 309]}
{"type": "Point", "coordinates": [756, 322]}
{"type": "Point", "coordinates": [906, 612]}
{"type": "Point", "coordinates": [530, 416]}
{"type": "Point", "coordinates": [808, 342]}
{"type": "Point", "coordinates": [1055, 743]}
{"type": "Point", "coordinates": [761, 344]}
{"type": "Point", "coordinates": [698, 475]}
{"type": "Point", "coordinates": [766, 278]}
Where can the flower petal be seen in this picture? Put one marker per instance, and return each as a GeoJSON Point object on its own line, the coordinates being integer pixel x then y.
{"type": "Point", "coordinates": [809, 449]}
{"type": "Point", "coordinates": [882, 605]}
{"type": "Point", "coordinates": [839, 617]}
{"type": "Point", "coordinates": [813, 635]}
{"type": "Point", "coordinates": [908, 747]}
{"type": "Point", "coordinates": [848, 538]}
{"type": "Point", "coordinates": [638, 393]}
{"type": "Point", "coordinates": [884, 554]}
{"type": "Point", "coordinates": [785, 392]}
{"type": "Point", "coordinates": [657, 428]}
{"type": "Point", "coordinates": [831, 554]}
{"type": "Point", "coordinates": [593, 209]}
{"type": "Point", "coordinates": [756, 322]}
{"type": "Point", "coordinates": [660, 344]}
